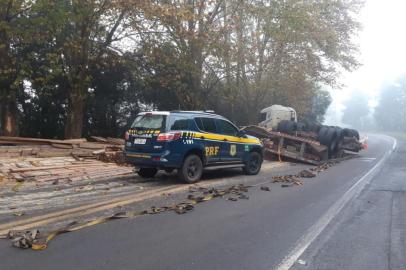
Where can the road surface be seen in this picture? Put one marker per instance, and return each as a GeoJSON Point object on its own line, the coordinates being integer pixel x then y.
{"type": "Point", "coordinates": [352, 216]}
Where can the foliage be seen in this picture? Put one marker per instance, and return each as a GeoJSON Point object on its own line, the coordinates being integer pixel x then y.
{"type": "Point", "coordinates": [87, 67]}
{"type": "Point", "coordinates": [356, 111]}
{"type": "Point", "coordinates": [390, 114]}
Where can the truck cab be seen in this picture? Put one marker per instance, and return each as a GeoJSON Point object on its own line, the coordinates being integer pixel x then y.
{"type": "Point", "coordinates": [273, 115]}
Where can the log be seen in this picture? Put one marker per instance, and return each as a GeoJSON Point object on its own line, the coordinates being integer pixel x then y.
{"type": "Point", "coordinates": [27, 140]}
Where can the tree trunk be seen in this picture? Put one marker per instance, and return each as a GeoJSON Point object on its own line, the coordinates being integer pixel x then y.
{"type": "Point", "coordinates": [74, 117]}
{"type": "Point", "coordinates": [8, 114]}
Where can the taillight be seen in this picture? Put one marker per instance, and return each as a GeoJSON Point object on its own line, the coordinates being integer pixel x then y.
{"type": "Point", "coordinates": [166, 137]}
{"type": "Point", "coordinates": [126, 136]}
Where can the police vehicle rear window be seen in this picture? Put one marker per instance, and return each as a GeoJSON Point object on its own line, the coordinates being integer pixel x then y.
{"type": "Point", "coordinates": [149, 121]}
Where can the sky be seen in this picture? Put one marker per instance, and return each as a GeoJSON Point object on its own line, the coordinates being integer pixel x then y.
{"type": "Point", "coordinates": [382, 44]}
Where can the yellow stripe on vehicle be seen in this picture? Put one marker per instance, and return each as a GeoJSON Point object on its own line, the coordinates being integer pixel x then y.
{"type": "Point", "coordinates": [138, 155]}
{"type": "Point", "coordinates": [219, 137]}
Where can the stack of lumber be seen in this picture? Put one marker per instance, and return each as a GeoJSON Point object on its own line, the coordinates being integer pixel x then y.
{"type": "Point", "coordinates": [106, 149]}
{"type": "Point", "coordinates": [56, 169]}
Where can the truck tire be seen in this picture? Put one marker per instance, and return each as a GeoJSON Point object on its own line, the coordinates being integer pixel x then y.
{"type": "Point", "coordinates": [351, 133]}
{"type": "Point", "coordinates": [328, 137]}
{"type": "Point", "coordinates": [322, 136]}
{"type": "Point", "coordinates": [301, 126]}
{"type": "Point", "coordinates": [253, 164]}
{"type": "Point", "coordinates": [147, 172]}
{"type": "Point", "coordinates": [355, 133]}
{"type": "Point", "coordinates": [282, 126]}
{"type": "Point", "coordinates": [347, 132]}
{"type": "Point", "coordinates": [287, 126]}
{"type": "Point", "coordinates": [340, 133]}
{"type": "Point", "coordinates": [191, 170]}
{"type": "Point", "coordinates": [333, 139]}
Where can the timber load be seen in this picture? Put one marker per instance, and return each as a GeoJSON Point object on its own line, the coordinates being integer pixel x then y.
{"type": "Point", "coordinates": [105, 149]}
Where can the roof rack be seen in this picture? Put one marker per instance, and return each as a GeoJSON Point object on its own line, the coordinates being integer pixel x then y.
{"type": "Point", "coordinates": [205, 111]}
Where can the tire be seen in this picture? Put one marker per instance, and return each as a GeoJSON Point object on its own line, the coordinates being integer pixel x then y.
{"type": "Point", "coordinates": [287, 126]}
{"type": "Point", "coordinates": [253, 164]}
{"type": "Point", "coordinates": [347, 132]}
{"type": "Point", "coordinates": [191, 170]}
{"type": "Point", "coordinates": [340, 133]}
{"type": "Point", "coordinates": [301, 127]}
{"type": "Point", "coordinates": [322, 136]}
{"type": "Point", "coordinates": [147, 172]}
{"type": "Point", "coordinates": [282, 126]}
{"type": "Point", "coordinates": [355, 133]}
{"type": "Point", "coordinates": [351, 133]}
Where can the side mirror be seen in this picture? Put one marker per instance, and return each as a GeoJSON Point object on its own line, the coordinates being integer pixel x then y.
{"type": "Point", "coordinates": [241, 134]}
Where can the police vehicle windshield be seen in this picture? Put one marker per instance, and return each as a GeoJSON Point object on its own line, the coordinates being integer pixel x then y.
{"type": "Point", "coordinates": [149, 121]}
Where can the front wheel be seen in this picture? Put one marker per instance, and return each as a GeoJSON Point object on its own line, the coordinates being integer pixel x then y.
{"type": "Point", "coordinates": [191, 170]}
{"type": "Point", "coordinates": [253, 164]}
{"type": "Point", "coordinates": [147, 172]}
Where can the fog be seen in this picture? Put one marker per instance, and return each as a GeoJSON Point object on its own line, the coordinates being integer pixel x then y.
{"type": "Point", "coordinates": [382, 55]}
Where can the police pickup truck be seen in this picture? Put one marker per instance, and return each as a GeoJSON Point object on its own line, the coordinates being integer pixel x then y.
{"type": "Point", "coordinates": [189, 141]}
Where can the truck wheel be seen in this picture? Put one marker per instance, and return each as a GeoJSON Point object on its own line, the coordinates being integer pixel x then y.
{"type": "Point", "coordinates": [147, 172]}
{"type": "Point", "coordinates": [355, 133]}
{"type": "Point", "coordinates": [286, 126]}
{"type": "Point", "coordinates": [340, 133]}
{"type": "Point", "coordinates": [282, 126]}
{"type": "Point", "coordinates": [253, 164]}
{"type": "Point", "coordinates": [191, 170]}
{"type": "Point", "coordinates": [322, 136]}
{"type": "Point", "coordinates": [301, 127]}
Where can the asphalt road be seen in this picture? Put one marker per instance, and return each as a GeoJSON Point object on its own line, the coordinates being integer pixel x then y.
{"type": "Point", "coordinates": [351, 216]}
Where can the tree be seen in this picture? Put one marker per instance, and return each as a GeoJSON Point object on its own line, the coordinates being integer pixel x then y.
{"type": "Point", "coordinates": [356, 110]}
{"type": "Point", "coordinates": [88, 30]}
{"type": "Point", "coordinates": [390, 114]}
{"type": "Point", "coordinates": [189, 29]}
{"type": "Point", "coordinates": [16, 33]}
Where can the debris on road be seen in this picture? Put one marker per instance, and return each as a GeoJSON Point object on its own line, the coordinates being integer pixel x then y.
{"type": "Point", "coordinates": [36, 241]}
{"type": "Point", "coordinates": [265, 188]}
{"type": "Point", "coordinates": [306, 174]}
{"type": "Point", "coordinates": [324, 166]}
{"type": "Point", "coordinates": [292, 179]}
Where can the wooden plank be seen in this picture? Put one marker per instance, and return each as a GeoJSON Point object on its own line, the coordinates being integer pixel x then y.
{"type": "Point", "coordinates": [99, 139]}
{"type": "Point", "coordinates": [117, 141]}
{"type": "Point", "coordinates": [92, 145]}
{"type": "Point", "coordinates": [62, 146]}
{"type": "Point", "coordinates": [36, 140]}
{"type": "Point", "coordinates": [75, 141]}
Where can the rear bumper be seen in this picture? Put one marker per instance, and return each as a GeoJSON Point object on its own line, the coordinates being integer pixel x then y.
{"type": "Point", "coordinates": [151, 160]}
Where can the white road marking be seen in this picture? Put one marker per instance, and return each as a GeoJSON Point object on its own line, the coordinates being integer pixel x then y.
{"type": "Point", "coordinates": [304, 242]}
{"type": "Point", "coordinates": [366, 159]}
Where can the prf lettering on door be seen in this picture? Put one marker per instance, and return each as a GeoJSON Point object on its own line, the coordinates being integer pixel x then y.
{"type": "Point", "coordinates": [212, 150]}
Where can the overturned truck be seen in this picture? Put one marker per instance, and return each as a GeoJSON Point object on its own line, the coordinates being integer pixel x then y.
{"type": "Point", "coordinates": [283, 136]}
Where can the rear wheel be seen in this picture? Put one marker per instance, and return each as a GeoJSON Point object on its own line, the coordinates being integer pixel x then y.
{"type": "Point", "coordinates": [147, 172]}
{"type": "Point", "coordinates": [192, 169]}
{"type": "Point", "coordinates": [355, 133]}
{"type": "Point", "coordinates": [253, 164]}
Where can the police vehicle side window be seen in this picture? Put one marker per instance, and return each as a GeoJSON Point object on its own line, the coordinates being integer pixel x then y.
{"type": "Point", "coordinates": [206, 124]}
{"type": "Point", "coordinates": [179, 123]}
{"type": "Point", "coordinates": [226, 128]}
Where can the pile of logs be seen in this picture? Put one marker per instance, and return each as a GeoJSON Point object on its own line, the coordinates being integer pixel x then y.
{"type": "Point", "coordinates": [44, 160]}
{"type": "Point", "coordinates": [59, 169]}
{"type": "Point", "coordinates": [105, 149]}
